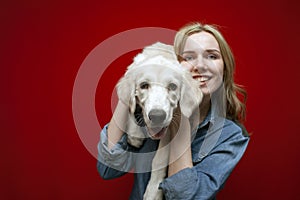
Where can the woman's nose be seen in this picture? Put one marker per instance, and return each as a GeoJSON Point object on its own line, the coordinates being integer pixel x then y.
{"type": "Point", "coordinates": [199, 64]}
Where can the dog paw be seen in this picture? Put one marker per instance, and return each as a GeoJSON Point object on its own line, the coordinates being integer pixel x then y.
{"type": "Point", "coordinates": [134, 141]}
{"type": "Point", "coordinates": [153, 193]}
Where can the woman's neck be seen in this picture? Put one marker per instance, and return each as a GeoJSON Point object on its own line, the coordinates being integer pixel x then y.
{"type": "Point", "coordinates": [204, 107]}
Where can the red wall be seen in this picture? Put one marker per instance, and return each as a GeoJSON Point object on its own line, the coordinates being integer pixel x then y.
{"type": "Point", "coordinates": [43, 44]}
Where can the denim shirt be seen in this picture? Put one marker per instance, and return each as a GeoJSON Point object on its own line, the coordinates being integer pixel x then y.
{"type": "Point", "coordinates": [213, 161]}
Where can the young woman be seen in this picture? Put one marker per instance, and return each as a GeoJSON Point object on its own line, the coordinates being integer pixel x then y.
{"type": "Point", "coordinates": [200, 169]}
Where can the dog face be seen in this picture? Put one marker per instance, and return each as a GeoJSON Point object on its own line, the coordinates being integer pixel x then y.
{"type": "Point", "coordinates": [154, 87]}
{"type": "Point", "coordinates": [157, 92]}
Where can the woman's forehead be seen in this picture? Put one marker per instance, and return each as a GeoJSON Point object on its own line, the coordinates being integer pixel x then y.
{"type": "Point", "coordinates": [202, 40]}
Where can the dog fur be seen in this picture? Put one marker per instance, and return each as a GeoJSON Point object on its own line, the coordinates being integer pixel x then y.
{"type": "Point", "coordinates": [153, 86]}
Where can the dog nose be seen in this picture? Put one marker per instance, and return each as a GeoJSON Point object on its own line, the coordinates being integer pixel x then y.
{"type": "Point", "coordinates": [157, 115]}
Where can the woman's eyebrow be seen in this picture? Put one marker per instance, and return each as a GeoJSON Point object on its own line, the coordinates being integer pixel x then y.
{"type": "Point", "coordinates": [189, 51]}
{"type": "Point", "coordinates": [213, 50]}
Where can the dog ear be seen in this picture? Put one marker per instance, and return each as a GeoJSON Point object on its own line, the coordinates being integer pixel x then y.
{"type": "Point", "coordinates": [191, 95]}
{"type": "Point", "coordinates": [126, 92]}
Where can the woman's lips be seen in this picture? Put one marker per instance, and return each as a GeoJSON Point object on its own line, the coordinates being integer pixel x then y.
{"type": "Point", "coordinates": [202, 79]}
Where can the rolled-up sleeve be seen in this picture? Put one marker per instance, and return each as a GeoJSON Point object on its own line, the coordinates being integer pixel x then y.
{"type": "Point", "coordinates": [116, 161]}
{"type": "Point", "coordinates": [207, 177]}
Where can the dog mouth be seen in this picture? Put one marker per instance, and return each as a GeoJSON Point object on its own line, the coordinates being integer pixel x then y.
{"type": "Point", "coordinates": [157, 133]}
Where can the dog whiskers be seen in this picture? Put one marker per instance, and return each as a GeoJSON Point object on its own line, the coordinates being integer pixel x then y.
{"type": "Point", "coordinates": [175, 123]}
{"type": "Point", "coordinates": [139, 119]}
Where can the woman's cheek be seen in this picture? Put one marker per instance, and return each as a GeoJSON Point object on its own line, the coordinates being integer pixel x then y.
{"type": "Point", "coordinates": [186, 65]}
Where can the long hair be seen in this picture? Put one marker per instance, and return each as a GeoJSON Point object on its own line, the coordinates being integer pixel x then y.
{"type": "Point", "coordinates": [235, 108]}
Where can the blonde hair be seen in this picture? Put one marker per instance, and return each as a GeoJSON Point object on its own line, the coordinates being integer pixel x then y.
{"type": "Point", "coordinates": [235, 108]}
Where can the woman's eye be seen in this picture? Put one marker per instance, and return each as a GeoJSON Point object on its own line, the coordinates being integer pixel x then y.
{"type": "Point", "coordinates": [172, 86]}
{"type": "Point", "coordinates": [188, 58]}
{"type": "Point", "coordinates": [144, 85]}
{"type": "Point", "coordinates": [212, 56]}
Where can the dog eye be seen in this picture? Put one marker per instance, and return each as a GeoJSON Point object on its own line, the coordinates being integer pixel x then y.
{"type": "Point", "coordinates": [144, 85]}
{"type": "Point", "coordinates": [172, 86]}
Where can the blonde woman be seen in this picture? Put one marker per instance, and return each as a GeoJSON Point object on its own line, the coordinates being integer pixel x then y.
{"type": "Point", "coordinates": [221, 139]}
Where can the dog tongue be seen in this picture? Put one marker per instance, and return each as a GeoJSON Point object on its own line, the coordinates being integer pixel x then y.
{"type": "Point", "coordinates": [156, 133]}
{"type": "Point", "coordinates": [153, 131]}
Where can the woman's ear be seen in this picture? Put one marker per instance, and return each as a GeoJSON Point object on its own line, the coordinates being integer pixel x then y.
{"type": "Point", "coordinates": [126, 92]}
{"type": "Point", "coordinates": [190, 96]}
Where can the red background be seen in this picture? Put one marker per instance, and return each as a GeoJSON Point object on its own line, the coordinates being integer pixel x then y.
{"type": "Point", "coordinates": [43, 44]}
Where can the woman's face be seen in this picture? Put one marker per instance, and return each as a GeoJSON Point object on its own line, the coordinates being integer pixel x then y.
{"type": "Point", "coordinates": [202, 57]}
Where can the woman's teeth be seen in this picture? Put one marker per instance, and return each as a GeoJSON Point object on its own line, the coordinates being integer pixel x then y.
{"type": "Point", "coordinates": [202, 79]}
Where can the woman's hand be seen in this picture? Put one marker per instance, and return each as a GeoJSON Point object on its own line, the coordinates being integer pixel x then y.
{"type": "Point", "coordinates": [117, 125]}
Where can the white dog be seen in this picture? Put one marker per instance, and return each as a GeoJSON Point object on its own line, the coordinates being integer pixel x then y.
{"type": "Point", "coordinates": [153, 87]}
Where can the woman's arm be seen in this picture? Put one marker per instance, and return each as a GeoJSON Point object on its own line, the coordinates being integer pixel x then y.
{"type": "Point", "coordinates": [207, 177]}
{"type": "Point", "coordinates": [180, 148]}
{"type": "Point", "coordinates": [117, 124]}
{"type": "Point", "coordinates": [114, 157]}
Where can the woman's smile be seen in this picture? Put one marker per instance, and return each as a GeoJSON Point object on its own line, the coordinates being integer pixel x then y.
{"type": "Point", "coordinates": [202, 79]}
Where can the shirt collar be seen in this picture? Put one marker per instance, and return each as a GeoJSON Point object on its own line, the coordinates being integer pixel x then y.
{"type": "Point", "coordinates": [214, 114]}
{"type": "Point", "coordinates": [206, 120]}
